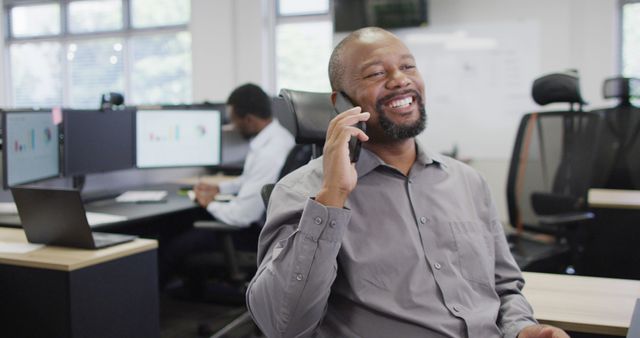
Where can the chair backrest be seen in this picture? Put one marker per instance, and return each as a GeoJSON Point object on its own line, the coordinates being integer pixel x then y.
{"type": "Point", "coordinates": [622, 133]}
{"type": "Point", "coordinates": [552, 162]}
{"type": "Point", "coordinates": [552, 166]}
{"type": "Point", "coordinates": [312, 113]}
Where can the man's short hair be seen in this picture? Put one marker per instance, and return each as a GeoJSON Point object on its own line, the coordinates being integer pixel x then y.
{"type": "Point", "coordinates": [336, 65]}
{"type": "Point", "coordinates": [250, 99]}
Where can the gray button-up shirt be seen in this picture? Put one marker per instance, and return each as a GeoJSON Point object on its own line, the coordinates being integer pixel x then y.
{"type": "Point", "coordinates": [417, 256]}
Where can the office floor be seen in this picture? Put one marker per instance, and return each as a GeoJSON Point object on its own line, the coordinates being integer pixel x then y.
{"type": "Point", "coordinates": [180, 316]}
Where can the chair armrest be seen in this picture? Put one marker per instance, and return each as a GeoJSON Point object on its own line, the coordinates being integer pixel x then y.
{"type": "Point", "coordinates": [216, 225]}
{"type": "Point", "coordinates": [566, 218]}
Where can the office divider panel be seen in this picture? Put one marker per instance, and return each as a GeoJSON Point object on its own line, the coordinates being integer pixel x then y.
{"type": "Point", "coordinates": [98, 141]}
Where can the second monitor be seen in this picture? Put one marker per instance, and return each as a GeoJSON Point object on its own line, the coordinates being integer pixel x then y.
{"type": "Point", "coordinates": [178, 138]}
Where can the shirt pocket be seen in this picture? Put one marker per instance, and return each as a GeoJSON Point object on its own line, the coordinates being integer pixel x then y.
{"type": "Point", "coordinates": [476, 254]}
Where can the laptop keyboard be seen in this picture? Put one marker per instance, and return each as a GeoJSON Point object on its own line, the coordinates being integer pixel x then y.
{"type": "Point", "coordinates": [102, 239]}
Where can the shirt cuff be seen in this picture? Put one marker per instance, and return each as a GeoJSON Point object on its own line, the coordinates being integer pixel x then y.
{"type": "Point", "coordinates": [514, 329]}
{"type": "Point", "coordinates": [322, 222]}
{"type": "Point", "coordinates": [226, 187]}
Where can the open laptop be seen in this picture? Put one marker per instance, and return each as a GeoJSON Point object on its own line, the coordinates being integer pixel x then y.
{"type": "Point", "coordinates": [56, 216]}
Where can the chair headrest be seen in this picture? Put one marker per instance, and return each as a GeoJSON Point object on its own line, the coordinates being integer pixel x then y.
{"type": "Point", "coordinates": [621, 88]}
{"type": "Point", "coordinates": [312, 112]}
{"type": "Point", "coordinates": [556, 88]}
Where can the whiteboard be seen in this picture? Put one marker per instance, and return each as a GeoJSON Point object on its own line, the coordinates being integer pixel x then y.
{"type": "Point", "coordinates": [477, 84]}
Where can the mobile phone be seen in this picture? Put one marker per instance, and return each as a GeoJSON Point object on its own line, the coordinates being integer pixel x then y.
{"type": "Point", "coordinates": [342, 104]}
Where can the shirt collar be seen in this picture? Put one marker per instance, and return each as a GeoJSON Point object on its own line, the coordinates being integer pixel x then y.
{"type": "Point", "coordinates": [369, 161]}
{"type": "Point", "coordinates": [264, 135]}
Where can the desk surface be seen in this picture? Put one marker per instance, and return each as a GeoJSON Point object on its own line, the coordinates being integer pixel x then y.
{"type": "Point", "coordinates": [174, 203]}
{"type": "Point", "coordinates": [614, 198]}
{"type": "Point", "coordinates": [67, 259]}
{"type": "Point", "coordinates": [582, 304]}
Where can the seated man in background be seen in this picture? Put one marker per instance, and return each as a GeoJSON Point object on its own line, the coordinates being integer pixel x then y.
{"type": "Point", "coordinates": [250, 113]}
{"type": "Point", "coordinates": [402, 243]}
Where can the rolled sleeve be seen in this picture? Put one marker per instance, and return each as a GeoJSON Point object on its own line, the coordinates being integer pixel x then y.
{"type": "Point", "coordinates": [230, 186]}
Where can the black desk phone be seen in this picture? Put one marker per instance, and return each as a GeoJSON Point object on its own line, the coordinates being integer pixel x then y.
{"type": "Point", "coordinates": [343, 103]}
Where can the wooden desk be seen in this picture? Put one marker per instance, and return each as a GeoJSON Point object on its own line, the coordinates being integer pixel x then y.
{"type": "Point", "coordinates": [65, 292]}
{"type": "Point", "coordinates": [582, 304]}
{"type": "Point", "coordinates": [614, 198]}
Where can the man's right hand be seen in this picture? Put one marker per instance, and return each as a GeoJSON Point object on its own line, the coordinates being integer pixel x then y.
{"type": "Point", "coordinates": [340, 176]}
{"type": "Point", "coordinates": [205, 193]}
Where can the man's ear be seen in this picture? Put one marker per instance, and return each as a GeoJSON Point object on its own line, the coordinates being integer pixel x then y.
{"type": "Point", "coordinates": [334, 94]}
{"type": "Point", "coordinates": [250, 118]}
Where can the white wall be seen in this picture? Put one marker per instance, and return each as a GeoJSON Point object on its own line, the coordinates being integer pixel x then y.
{"type": "Point", "coordinates": [574, 33]}
{"type": "Point", "coordinates": [228, 40]}
{"type": "Point", "coordinates": [212, 43]}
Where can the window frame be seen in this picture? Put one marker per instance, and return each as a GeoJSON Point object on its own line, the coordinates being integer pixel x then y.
{"type": "Point", "coordinates": [65, 38]}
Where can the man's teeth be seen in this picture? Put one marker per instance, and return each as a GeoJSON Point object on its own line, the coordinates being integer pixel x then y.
{"type": "Point", "coordinates": [401, 103]}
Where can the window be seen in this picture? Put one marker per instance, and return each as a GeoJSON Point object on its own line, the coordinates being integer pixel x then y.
{"type": "Point", "coordinates": [69, 52]}
{"type": "Point", "coordinates": [297, 7]}
{"type": "Point", "coordinates": [304, 41]}
{"type": "Point", "coordinates": [36, 20]}
{"type": "Point", "coordinates": [94, 65]}
{"type": "Point", "coordinates": [631, 39]}
{"type": "Point", "coordinates": [36, 74]}
{"type": "Point", "coordinates": [95, 16]}
{"type": "Point", "coordinates": [161, 64]}
{"type": "Point", "coordinates": [156, 13]}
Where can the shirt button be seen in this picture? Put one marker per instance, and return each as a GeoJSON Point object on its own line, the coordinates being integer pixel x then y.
{"type": "Point", "coordinates": [299, 277]}
{"type": "Point", "coordinates": [437, 266]}
{"type": "Point", "coordinates": [332, 224]}
{"type": "Point", "coordinates": [456, 308]}
{"type": "Point", "coordinates": [423, 220]}
{"type": "Point", "coordinates": [318, 220]}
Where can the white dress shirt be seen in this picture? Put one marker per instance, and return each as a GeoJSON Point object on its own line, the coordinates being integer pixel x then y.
{"type": "Point", "coordinates": [267, 153]}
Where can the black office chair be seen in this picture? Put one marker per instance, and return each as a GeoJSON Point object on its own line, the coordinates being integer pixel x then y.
{"type": "Point", "coordinates": [623, 132]}
{"type": "Point", "coordinates": [551, 169]}
{"type": "Point", "coordinates": [612, 243]}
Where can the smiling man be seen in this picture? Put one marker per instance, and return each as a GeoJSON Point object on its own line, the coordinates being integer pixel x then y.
{"type": "Point", "coordinates": [403, 243]}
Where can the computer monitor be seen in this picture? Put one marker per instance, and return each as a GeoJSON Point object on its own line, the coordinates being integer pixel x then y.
{"type": "Point", "coordinates": [178, 138]}
{"type": "Point", "coordinates": [30, 147]}
{"type": "Point", "coordinates": [97, 141]}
